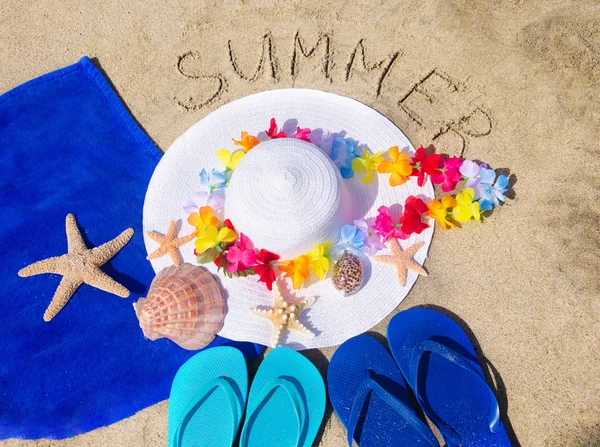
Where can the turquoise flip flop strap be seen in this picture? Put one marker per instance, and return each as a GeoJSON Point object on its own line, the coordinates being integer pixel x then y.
{"type": "Point", "coordinates": [405, 412]}
{"type": "Point", "coordinates": [199, 398]}
{"type": "Point", "coordinates": [454, 357]}
{"type": "Point", "coordinates": [294, 396]}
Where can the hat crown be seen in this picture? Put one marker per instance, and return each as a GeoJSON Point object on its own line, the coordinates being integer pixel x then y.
{"type": "Point", "coordinates": [286, 180]}
{"type": "Point", "coordinates": [286, 195]}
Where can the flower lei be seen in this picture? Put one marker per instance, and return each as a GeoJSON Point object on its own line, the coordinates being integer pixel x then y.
{"type": "Point", "coordinates": [218, 241]}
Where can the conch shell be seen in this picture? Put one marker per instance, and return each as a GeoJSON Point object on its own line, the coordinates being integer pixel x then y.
{"type": "Point", "coordinates": [185, 304]}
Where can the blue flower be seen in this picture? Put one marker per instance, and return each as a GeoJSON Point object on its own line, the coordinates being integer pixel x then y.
{"type": "Point", "coordinates": [500, 187]}
{"type": "Point", "coordinates": [351, 239]}
{"type": "Point", "coordinates": [212, 181]}
{"type": "Point", "coordinates": [336, 148]}
{"type": "Point", "coordinates": [343, 151]}
{"type": "Point", "coordinates": [488, 193]}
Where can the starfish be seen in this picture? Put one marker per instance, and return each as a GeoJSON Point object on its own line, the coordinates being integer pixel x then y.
{"type": "Point", "coordinates": [402, 259]}
{"type": "Point", "coordinates": [169, 244]}
{"type": "Point", "coordinates": [284, 316]}
{"type": "Point", "coordinates": [79, 265]}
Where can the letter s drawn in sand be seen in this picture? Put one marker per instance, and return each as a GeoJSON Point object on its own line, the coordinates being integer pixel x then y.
{"type": "Point", "coordinates": [190, 104]}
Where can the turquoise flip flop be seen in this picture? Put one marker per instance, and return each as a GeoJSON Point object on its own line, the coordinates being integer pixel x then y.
{"type": "Point", "coordinates": [207, 399]}
{"type": "Point", "coordinates": [286, 402]}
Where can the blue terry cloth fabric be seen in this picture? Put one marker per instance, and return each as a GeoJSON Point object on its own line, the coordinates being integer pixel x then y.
{"type": "Point", "coordinates": [68, 145]}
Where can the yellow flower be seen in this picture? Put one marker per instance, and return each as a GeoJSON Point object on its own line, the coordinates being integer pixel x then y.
{"type": "Point", "coordinates": [465, 208]}
{"type": "Point", "coordinates": [367, 162]}
{"type": "Point", "coordinates": [297, 269]}
{"type": "Point", "coordinates": [246, 142]}
{"type": "Point", "coordinates": [230, 160]}
{"type": "Point", "coordinates": [319, 259]}
{"type": "Point", "coordinates": [439, 211]}
{"type": "Point", "coordinates": [209, 237]}
{"type": "Point", "coordinates": [205, 218]}
{"type": "Point", "coordinates": [399, 166]}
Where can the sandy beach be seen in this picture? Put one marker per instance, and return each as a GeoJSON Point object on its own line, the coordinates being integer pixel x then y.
{"type": "Point", "coordinates": [513, 83]}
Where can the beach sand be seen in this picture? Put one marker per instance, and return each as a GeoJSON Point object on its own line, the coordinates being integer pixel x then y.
{"type": "Point", "coordinates": [513, 84]}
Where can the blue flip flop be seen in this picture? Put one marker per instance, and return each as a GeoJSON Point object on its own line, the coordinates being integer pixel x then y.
{"type": "Point", "coordinates": [371, 399]}
{"type": "Point", "coordinates": [286, 402]}
{"type": "Point", "coordinates": [207, 399]}
{"type": "Point", "coordinates": [439, 363]}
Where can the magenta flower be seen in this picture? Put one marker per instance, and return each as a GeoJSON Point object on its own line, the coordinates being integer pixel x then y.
{"type": "Point", "coordinates": [450, 174]}
{"type": "Point", "coordinates": [386, 226]}
{"type": "Point", "coordinates": [302, 134]}
{"type": "Point", "coordinates": [241, 255]}
{"type": "Point", "coordinates": [292, 130]}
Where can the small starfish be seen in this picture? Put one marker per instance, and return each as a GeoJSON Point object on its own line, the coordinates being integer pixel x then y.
{"type": "Point", "coordinates": [284, 316]}
{"type": "Point", "coordinates": [402, 259]}
{"type": "Point", "coordinates": [169, 244]}
{"type": "Point", "coordinates": [79, 265]}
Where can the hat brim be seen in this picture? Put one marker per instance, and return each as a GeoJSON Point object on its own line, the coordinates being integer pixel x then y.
{"type": "Point", "coordinates": [332, 317]}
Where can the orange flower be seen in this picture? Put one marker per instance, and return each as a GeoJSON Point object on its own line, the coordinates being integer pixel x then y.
{"type": "Point", "coordinates": [399, 166]}
{"type": "Point", "coordinates": [204, 219]}
{"type": "Point", "coordinates": [439, 211]}
{"type": "Point", "coordinates": [246, 142]}
{"type": "Point", "coordinates": [297, 269]}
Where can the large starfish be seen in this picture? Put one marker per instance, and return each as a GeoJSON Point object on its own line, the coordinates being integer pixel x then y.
{"type": "Point", "coordinates": [169, 244]}
{"type": "Point", "coordinates": [284, 316]}
{"type": "Point", "coordinates": [402, 259]}
{"type": "Point", "coordinates": [80, 265]}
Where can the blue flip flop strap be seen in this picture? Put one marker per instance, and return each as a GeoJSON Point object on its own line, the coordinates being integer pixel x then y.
{"type": "Point", "coordinates": [199, 398]}
{"type": "Point", "coordinates": [407, 413]}
{"type": "Point", "coordinates": [292, 393]}
{"type": "Point", "coordinates": [457, 359]}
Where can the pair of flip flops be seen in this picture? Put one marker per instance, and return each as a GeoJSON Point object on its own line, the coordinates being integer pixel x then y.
{"type": "Point", "coordinates": [210, 392]}
{"type": "Point", "coordinates": [432, 355]}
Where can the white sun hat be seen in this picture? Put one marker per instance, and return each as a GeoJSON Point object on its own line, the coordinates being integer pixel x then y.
{"type": "Point", "coordinates": [287, 195]}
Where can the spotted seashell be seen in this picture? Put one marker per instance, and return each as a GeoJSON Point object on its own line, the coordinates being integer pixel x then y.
{"type": "Point", "coordinates": [347, 274]}
{"type": "Point", "coordinates": [185, 304]}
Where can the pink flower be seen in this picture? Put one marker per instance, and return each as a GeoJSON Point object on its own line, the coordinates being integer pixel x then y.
{"type": "Point", "coordinates": [386, 226]}
{"type": "Point", "coordinates": [450, 174]}
{"type": "Point", "coordinates": [241, 255]}
{"type": "Point", "coordinates": [302, 134]}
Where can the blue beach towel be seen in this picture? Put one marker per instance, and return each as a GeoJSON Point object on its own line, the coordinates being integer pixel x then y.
{"type": "Point", "coordinates": [68, 145]}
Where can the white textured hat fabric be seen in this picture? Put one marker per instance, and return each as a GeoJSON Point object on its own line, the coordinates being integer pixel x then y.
{"type": "Point", "coordinates": [287, 197]}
